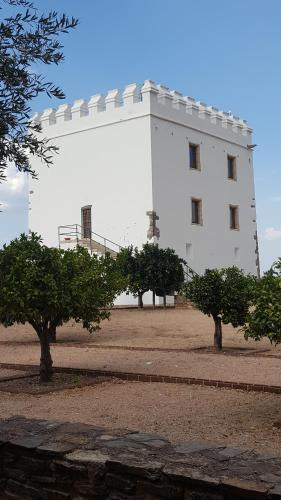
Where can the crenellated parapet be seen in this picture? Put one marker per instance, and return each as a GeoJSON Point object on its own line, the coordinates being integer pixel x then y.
{"type": "Point", "coordinates": [139, 100]}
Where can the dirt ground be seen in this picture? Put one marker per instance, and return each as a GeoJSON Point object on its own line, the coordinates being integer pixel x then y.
{"type": "Point", "coordinates": [178, 412]}
{"type": "Point", "coordinates": [29, 383]}
{"type": "Point", "coordinates": [157, 342]}
{"type": "Point", "coordinates": [165, 329]}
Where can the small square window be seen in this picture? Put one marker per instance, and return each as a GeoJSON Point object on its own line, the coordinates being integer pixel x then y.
{"type": "Point", "coordinates": [196, 211]}
{"type": "Point", "coordinates": [233, 217]}
{"type": "Point", "coordinates": [194, 157]}
{"type": "Point", "coordinates": [231, 167]}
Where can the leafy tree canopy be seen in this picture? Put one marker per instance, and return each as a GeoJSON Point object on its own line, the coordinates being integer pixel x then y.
{"type": "Point", "coordinates": [133, 266]}
{"type": "Point", "coordinates": [26, 38]}
{"type": "Point", "coordinates": [224, 294]}
{"type": "Point", "coordinates": [264, 318]}
{"type": "Point", "coordinates": [170, 274]}
{"type": "Point", "coordinates": [151, 268]}
{"type": "Point", "coordinates": [46, 286]}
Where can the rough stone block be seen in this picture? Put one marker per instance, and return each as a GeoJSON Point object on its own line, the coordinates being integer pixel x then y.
{"type": "Point", "coordinates": [29, 442]}
{"type": "Point", "coordinates": [23, 491]}
{"type": "Point", "coordinates": [33, 465]}
{"type": "Point", "coordinates": [159, 490]}
{"type": "Point", "coordinates": [245, 489]}
{"type": "Point", "coordinates": [56, 448]}
{"type": "Point", "coordinates": [194, 447]}
{"type": "Point", "coordinates": [65, 466]}
{"type": "Point", "coordinates": [230, 452]}
{"type": "Point", "coordinates": [147, 468]}
{"type": "Point", "coordinates": [200, 495]}
{"type": "Point", "coordinates": [119, 483]}
{"type": "Point", "coordinates": [42, 480]}
{"type": "Point", "coordinates": [275, 493]}
{"type": "Point", "coordinates": [56, 495]}
{"type": "Point", "coordinates": [88, 456]}
{"type": "Point", "coordinates": [15, 473]}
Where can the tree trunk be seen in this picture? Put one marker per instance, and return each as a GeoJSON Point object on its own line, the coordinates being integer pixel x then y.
{"type": "Point", "coordinates": [53, 332]}
{"type": "Point", "coordinates": [46, 363]}
{"type": "Point", "coordinates": [140, 301]}
{"type": "Point", "coordinates": [153, 299]}
{"type": "Point", "coordinates": [165, 300]}
{"type": "Point", "coordinates": [218, 333]}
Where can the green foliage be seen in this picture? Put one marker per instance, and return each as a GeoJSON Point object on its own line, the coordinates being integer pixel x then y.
{"type": "Point", "coordinates": [27, 38]}
{"type": "Point", "coordinates": [170, 274]}
{"type": "Point", "coordinates": [222, 292]}
{"type": "Point", "coordinates": [47, 286]}
{"type": "Point", "coordinates": [41, 284]}
{"type": "Point", "coordinates": [264, 318]}
{"type": "Point", "coordinates": [132, 264]}
{"type": "Point", "coordinates": [152, 268]}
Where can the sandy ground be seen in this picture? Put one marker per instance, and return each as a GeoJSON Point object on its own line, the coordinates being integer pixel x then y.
{"type": "Point", "coordinates": [7, 373]}
{"type": "Point", "coordinates": [176, 411]}
{"type": "Point", "coordinates": [174, 332]}
{"type": "Point", "coordinates": [171, 328]}
{"type": "Point", "coordinates": [211, 366]}
{"type": "Point", "coordinates": [180, 413]}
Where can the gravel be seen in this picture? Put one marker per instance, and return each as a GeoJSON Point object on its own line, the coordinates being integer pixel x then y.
{"type": "Point", "coordinates": [179, 413]}
{"type": "Point", "coordinates": [8, 373]}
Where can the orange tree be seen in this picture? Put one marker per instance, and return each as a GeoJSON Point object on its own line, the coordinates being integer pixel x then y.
{"type": "Point", "coordinates": [224, 294]}
{"type": "Point", "coordinates": [151, 268]}
{"type": "Point", "coordinates": [264, 318]}
{"type": "Point", "coordinates": [132, 263]}
{"type": "Point", "coordinates": [47, 286]}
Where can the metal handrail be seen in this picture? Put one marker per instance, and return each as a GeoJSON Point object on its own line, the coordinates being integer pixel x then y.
{"type": "Point", "coordinates": [189, 272]}
{"type": "Point", "coordinates": [78, 233]}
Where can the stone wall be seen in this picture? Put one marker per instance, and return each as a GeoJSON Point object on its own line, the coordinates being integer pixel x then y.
{"type": "Point", "coordinates": [43, 459]}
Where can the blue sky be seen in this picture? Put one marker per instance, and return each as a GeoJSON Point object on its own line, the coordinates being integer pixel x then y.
{"type": "Point", "coordinates": [222, 52]}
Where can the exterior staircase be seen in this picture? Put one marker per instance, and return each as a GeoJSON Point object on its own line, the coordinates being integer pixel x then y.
{"type": "Point", "coordinates": [70, 236]}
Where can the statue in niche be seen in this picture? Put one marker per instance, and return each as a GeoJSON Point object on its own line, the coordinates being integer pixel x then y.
{"type": "Point", "coordinates": [152, 230]}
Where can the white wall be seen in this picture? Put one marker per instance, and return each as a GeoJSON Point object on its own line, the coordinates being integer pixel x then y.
{"type": "Point", "coordinates": [174, 183]}
{"type": "Point", "coordinates": [108, 166]}
{"type": "Point", "coordinates": [126, 154]}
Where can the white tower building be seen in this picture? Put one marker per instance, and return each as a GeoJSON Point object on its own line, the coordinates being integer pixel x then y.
{"type": "Point", "coordinates": [148, 164]}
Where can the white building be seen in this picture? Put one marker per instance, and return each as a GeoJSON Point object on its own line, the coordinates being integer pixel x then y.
{"type": "Point", "coordinates": [149, 149]}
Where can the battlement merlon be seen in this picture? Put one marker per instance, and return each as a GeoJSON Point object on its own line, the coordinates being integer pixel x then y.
{"type": "Point", "coordinates": [141, 100]}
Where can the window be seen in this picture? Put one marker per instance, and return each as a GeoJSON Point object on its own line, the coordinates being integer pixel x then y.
{"type": "Point", "coordinates": [196, 211]}
{"type": "Point", "coordinates": [86, 221]}
{"type": "Point", "coordinates": [231, 167]}
{"type": "Point", "coordinates": [233, 217]}
{"type": "Point", "coordinates": [194, 159]}
{"type": "Point", "coordinates": [189, 250]}
{"type": "Point", "coordinates": [237, 254]}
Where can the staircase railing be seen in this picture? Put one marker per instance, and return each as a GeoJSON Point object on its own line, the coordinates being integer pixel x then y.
{"type": "Point", "coordinates": [189, 272]}
{"type": "Point", "coordinates": [73, 232]}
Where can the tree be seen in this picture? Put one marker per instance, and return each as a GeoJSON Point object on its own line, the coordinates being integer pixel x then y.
{"type": "Point", "coordinates": [264, 317]}
{"type": "Point", "coordinates": [224, 294]}
{"type": "Point", "coordinates": [133, 266]}
{"type": "Point", "coordinates": [170, 274]}
{"type": "Point", "coordinates": [151, 268]}
{"type": "Point", "coordinates": [26, 38]}
{"type": "Point", "coordinates": [48, 286]}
